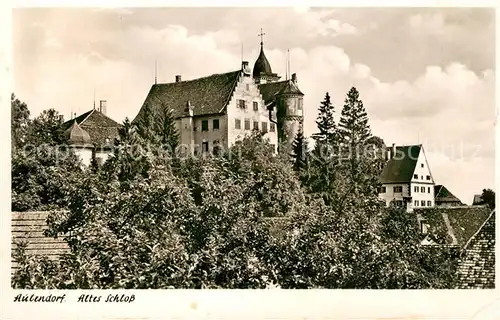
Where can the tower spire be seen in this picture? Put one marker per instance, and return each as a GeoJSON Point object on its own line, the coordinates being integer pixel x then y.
{"type": "Point", "coordinates": [261, 35]}
{"type": "Point", "coordinates": [94, 98]}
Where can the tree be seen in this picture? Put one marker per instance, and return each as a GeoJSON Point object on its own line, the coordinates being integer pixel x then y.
{"type": "Point", "coordinates": [131, 155]}
{"type": "Point", "coordinates": [41, 177]}
{"type": "Point", "coordinates": [20, 122]}
{"type": "Point", "coordinates": [299, 150]}
{"type": "Point", "coordinates": [46, 128]}
{"type": "Point", "coordinates": [147, 123]}
{"type": "Point", "coordinates": [169, 136]}
{"type": "Point", "coordinates": [488, 198]}
{"type": "Point", "coordinates": [325, 122]}
{"type": "Point", "coordinates": [354, 130]}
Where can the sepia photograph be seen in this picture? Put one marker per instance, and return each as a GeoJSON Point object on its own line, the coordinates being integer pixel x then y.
{"type": "Point", "coordinates": [252, 148]}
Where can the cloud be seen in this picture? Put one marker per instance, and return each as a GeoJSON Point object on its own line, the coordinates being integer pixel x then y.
{"type": "Point", "coordinates": [445, 106]}
{"type": "Point", "coordinates": [427, 23]}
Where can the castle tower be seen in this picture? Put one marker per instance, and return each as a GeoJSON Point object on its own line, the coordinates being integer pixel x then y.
{"type": "Point", "coordinates": [262, 72]}
{"type": "Point", "coordinates": [290, 113]}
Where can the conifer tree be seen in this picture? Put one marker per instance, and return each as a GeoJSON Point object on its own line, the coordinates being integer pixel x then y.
{"type": "Point", "coordinates": [354, 129]}
{"type": "Point", "coordinates": [325, 122]}
{"type": "Point", "coordinates": [146, 123]}
{"type": "Point", "coordinates": [299, 150]}
{"type": "Point", "coordinates": [169, 136]}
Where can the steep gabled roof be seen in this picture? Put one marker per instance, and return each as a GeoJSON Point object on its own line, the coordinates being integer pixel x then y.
{"type": "Point", "coordinates": [99, 127]}
{"type": "Point", "coordinates": [207, 95]}
{"type": "Point", "coordinates": [442, 194]}
{"type": "Point", "coordinates": [400, 168]}
{"type": "Point", "coordinates": [476, 268]}
{"type": "Point", "coordinates": [453, 225]}
{"type": "Point", "coordinates": [270, 90]}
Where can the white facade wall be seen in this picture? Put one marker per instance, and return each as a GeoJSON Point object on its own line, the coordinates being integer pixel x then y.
{"type": "Point", "coordinates": [390, 195]}
{"type": "Point", "coordinates": [422, 183]}
{"type": "Point", "coordinates": [191, 128]}
{"type": "Point", "coordinates": [85, 155]}
{"type": "Point", "coordinates": [247, 90]}
{"type": "Point", "coordinates": [211, 136]}
{"type": "Point", "coordinates": [102, 156]}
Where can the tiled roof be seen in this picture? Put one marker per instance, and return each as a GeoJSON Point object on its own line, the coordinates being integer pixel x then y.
{"type": "Point", "coordinates": [30, 227]}
{"type": "Point", "coordinates": [101, 128]}
{"type": "Point", "coordinates": [400, 168]}
{"type": "Point", "coordinates": [476, 268]}
{"type": "Point", "coordinates": [270, 90]}
{"type": "Point", "coordinates": [442, 194]}
{"type": "Point", "coordinates": [75, 135]}
{"type": "Point", "coordinates": [208, 95]}
{"type": "Point", "coordinates": [453, 225]}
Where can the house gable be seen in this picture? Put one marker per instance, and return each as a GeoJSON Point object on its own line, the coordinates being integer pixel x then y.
{"type": "Point", "coordinates": [421, 172]}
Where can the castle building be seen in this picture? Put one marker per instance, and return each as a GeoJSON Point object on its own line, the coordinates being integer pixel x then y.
{"type": "Point", "coordinates": [215, 111]}
{"type": "Point", "coordinates": [91, 134]}
{"type": "Point", "coordinates": [406, 178]}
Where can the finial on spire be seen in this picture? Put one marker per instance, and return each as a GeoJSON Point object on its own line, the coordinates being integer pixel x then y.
{"type": "Point", "coordinates": [261, 35]}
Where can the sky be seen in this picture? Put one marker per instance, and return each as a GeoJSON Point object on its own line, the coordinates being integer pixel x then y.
{"type": "Point", "coordinates": [425, 75]}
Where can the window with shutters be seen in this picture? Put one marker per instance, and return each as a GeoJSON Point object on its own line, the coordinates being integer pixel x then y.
{"type": "Point", "coordinates": [264, 127]}
{"type": "Point", "coordinates": [256, 125]}
{"type": "Point", "coordinates": [255, 106]}
{"type": "Point", "coordinates": [422, 189]}
{"type": "Point", "coordinates": [215, 124]}
{"type": "Point", "coordinates": [237, 123]}
{"type": "Point", "coordinates": [242, 104]}
{"type": "Point", "coordinates": [247, 124]}
{"type": "Point", "coordinates": [398, 189]}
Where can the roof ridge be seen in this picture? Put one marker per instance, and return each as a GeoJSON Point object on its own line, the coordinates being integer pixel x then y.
{"type": "Point", "coordinates": [91, 112]}
{"type": "Point", "coordinates": [196, 79]}
{"type": "Point", "coordinates": [478, 230]}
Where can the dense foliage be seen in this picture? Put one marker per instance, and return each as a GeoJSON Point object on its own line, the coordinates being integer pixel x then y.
{"type": "Point", "coordinates": [488, 198]}
{"type": "Point", "coordinates": [246, 219]}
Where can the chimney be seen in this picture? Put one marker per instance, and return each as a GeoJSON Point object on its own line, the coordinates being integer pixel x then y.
{"type": "Point", "coordinates": [393, 150]}
{"type": "Point", "coordinates": [102, 106]}
{"type": "Point", "coordinates": [178, 78]}
{"type": "Point", "coordinates": [294, 77]}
